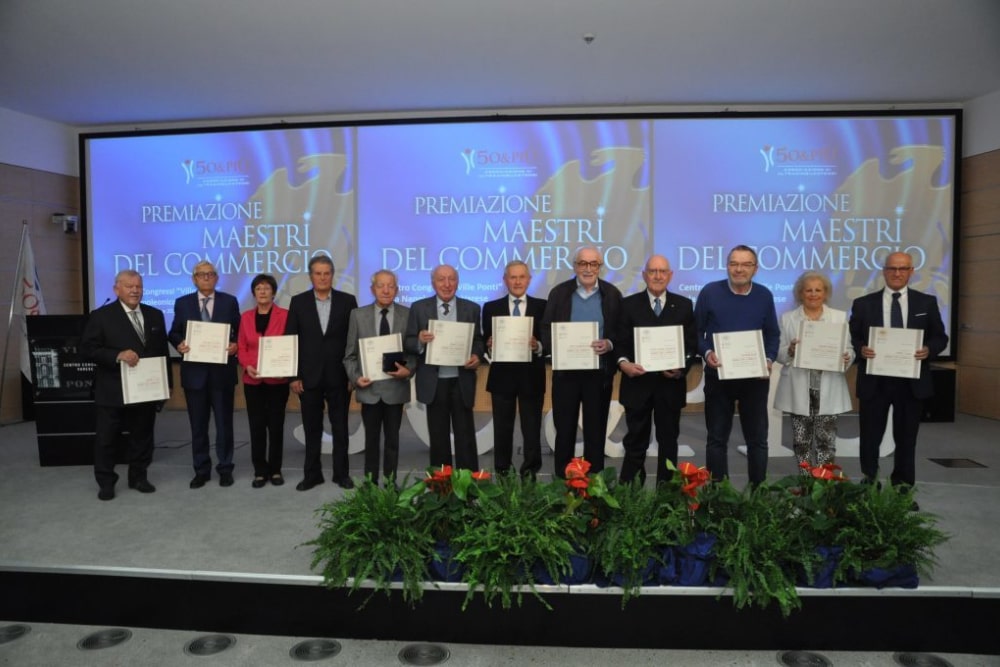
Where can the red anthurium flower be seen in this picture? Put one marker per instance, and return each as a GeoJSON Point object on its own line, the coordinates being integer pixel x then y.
{"type": "Point", "coordinates": [578, 467]}
{"type": "Point", "coordinates": [805, 465]}
{"type": "Point", "coordinates": [481, 475]}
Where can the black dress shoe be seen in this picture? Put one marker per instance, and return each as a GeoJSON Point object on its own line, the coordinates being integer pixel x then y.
{"type": "Point", "coordinates": [307, 484]}
{"type": "Point", "coordinates": [258, 482]}
{"type": "Point", "coordinates": [277, 480]}
{"type": "Point", "coordinates": [914, 507]}
{"type": "Point", "coordinates": [142, 486]}
{"type": "Point", "coordinates": [106, 493]}
{"type": "Point", "coordinates": [344, 482]}
{"type": "Point", "coordinates": [225, 479]}
{"type": "Point", "coordinates": [198, 481]}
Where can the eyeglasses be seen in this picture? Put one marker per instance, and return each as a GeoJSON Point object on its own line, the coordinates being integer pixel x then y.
{"type": "Point", "coordinates": [206, 274]}
{"type": "Point", "coordinates": [587, 265]}
{"type": "Point", "coordinates": [742, 265]}
{"type": "Point", "coordinates": [897, 269]}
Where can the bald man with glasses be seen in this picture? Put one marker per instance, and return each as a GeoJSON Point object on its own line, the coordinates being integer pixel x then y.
{"type": "Point", "coordinates": [897, 305]}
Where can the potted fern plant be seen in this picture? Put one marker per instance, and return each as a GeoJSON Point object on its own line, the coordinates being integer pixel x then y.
{"type": "Point", "coordinates": [516, 525]}
{"type": "Point", "coordinates": [374, 535]}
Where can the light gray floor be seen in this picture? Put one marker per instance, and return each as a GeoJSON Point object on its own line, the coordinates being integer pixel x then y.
{"type": "Point", "coordinates": [51, 519]}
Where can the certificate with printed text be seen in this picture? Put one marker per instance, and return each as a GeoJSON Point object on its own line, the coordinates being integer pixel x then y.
{"type": "Point", "coordinates": [741, 354]}
{"type": "Point", "coordinates": [659, 348]}
{"type": "Point", "coordinates": [512, 338]}
{"type": "Point", "coordinates": [370, 351]}
{"type": "Point", "coordinates": [894, 349]}
{"type": "Point", "coordinates": [278, 356]}
{"type": "Point", "coordinates": [571, 350]}
{"type": "Point", "coordinates": [208, 342]}
{"type": "Point", "coordinates": [146, 381]}
{"type": "Point", "coordinates": [452, 344]}
{"type": "Point", "coordinates": [821, 346]}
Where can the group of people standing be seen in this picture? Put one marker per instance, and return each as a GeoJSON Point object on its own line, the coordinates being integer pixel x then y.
{"type": "Point", "coordinates": [329, 325]}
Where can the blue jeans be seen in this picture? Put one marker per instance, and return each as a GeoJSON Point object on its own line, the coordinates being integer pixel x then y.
{"type": "Point", "coordinates": [722, 398]}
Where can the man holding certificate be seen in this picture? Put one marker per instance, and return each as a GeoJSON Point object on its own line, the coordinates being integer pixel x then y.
{"type": "Point", "coordinates": [447, 358]}
{"type": "Point", "coordinates": [516, 385]}
{"type": "Point", "coordinates": [738, 305]}
{"type": "Point", "coordinates": [900, 308]}
{"type": "Point", "coordinates": [382, 393]}
{"type": "Point", "coordinates": [583, 299]}
{"type": "Point", "coordinates": [206, 324]}
{"type": "Point", "coordinates": [656, 347]}
{"type": "Point", "coordinates": [319, 317]}
{"type": "Point", "coordinates": [123, 332]}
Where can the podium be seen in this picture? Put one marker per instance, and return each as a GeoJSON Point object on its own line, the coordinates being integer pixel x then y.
{"type": "Point", "coordinates": [65, 416]}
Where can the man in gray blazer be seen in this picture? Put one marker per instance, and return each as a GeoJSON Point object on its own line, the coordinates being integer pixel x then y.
{"type": "Point", "coordinates": [382, 400]}
{"type": "Point", "coordinates": [449, 392]}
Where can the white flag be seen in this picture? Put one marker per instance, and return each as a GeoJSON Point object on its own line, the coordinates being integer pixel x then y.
{"type": "Point", "coordinates": [29, 299]}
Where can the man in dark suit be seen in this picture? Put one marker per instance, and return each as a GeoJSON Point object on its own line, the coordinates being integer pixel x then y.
{"type": "Point", "coordinates": [208, 387]}
{"type": "Point", "coordinates": [381, 399]}
{"type": "Point", "coordinates": [585, 298]}
{"type": "Point", "coordinates": [517, 387]}
{"type": "Point", "coordinates": [896, 306]}
{"type": "Point", "coordinates": [449, 392]}
{"type": "Point", "coordinates": [121, 333]}
{"type": "Point", "coordinates": [648, 395]}
{"type": "Point", "coordinates": [319, 317]}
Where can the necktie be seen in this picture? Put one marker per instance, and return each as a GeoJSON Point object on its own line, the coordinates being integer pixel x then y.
{"type": "Point", "coordinates": [205, 316]}
{"type": "Point", "coordinates": [446, 307]}
{"type": "Point", "coordinates": [896, 312]}
{"type": "Point", "coordinates": [138, 326]}
{"type": "Point", "coordinates": [383, 325]}
{"type": "Point", "coordinates": [517, 308]}
{"type": "Point", "coordinates": [657, 308]}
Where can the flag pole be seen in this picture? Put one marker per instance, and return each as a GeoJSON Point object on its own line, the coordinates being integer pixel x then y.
{"type": "Point", "coordinates": [10, 313]}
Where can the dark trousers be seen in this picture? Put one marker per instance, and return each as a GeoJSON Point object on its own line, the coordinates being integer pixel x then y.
{"type": "Point", "coordinates": [722, 397]}
{"type": "Point", "coordinates": [873, 414]}
{"type": "Point", "coordinates": [217, 402]}
{"type": "Point", "coordinates": [572, 390]}
{"type": "Point", "coordinates": [266, 415]}
{"type": "Point", "coordinates": [447, 413]}
{"type": "Point", "coordinates": [505, 407]}
{"type": "Point", "coordinates": [138, 420]}
{"type": "Point", "coordinates": [662, 408]}
{"type": "Point", "coordinates": [381, 419]}
{"type": "Point", "coordinates": [336, 399]}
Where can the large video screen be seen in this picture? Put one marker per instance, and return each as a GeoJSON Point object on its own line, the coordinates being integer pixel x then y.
{"type": "Point", "coordinates": [834, 193]}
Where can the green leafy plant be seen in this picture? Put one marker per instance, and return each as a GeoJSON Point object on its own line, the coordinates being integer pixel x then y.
{"type": "Point", "coordinates": [516, 526]}
{"type": "Point", "coordinates": [756, 540]}
{"type": "Point", "coordinates": [376, 535]}
{"type": "Point", "coordinates": [628, 549]}
{"type": "Point", "coordinates": [878, 529]}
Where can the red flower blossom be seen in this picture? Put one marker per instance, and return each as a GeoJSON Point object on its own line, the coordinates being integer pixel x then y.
{"type": "Point", "coordinates": [577, 468]}
{"type": "Point", "coordinates": [481, 475]}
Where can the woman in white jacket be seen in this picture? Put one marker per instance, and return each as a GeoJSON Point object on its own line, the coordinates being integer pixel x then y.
{"type": "Point", "coordinates": [813, 398]}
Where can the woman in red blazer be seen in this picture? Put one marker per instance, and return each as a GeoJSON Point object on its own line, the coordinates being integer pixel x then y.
{"type": "Point", "coordinates": [265, 397]}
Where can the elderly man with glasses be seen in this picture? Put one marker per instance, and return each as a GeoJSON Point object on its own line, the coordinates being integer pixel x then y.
{"type": "Point", "coordinates": [208, 387]}
{"type": "Point", "coordinates": [585, 298]}
{"type": "Point", "coordinates": [897, 306]}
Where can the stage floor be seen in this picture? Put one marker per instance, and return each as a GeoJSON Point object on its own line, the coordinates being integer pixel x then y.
{"type": "Point", "coordinates": [52, 522]}
{"type": "Point", "coordinates": [52, 518]}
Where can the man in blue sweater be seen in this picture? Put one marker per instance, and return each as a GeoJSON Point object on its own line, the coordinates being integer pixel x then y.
{"type": "Point", "coordinates": [736, 304]}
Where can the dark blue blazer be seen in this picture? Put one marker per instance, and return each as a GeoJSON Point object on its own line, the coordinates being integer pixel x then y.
{"type": "Point", "coordinates": [636, 312]}
{"type": "Point", "coordinates": [225, 310]}
{"type": "Point", "coordinates": [922, 313]}
{"type": "Point", "coordinates": [321, 356]}
{"type": "Point", "coordinates": [512, 378]}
